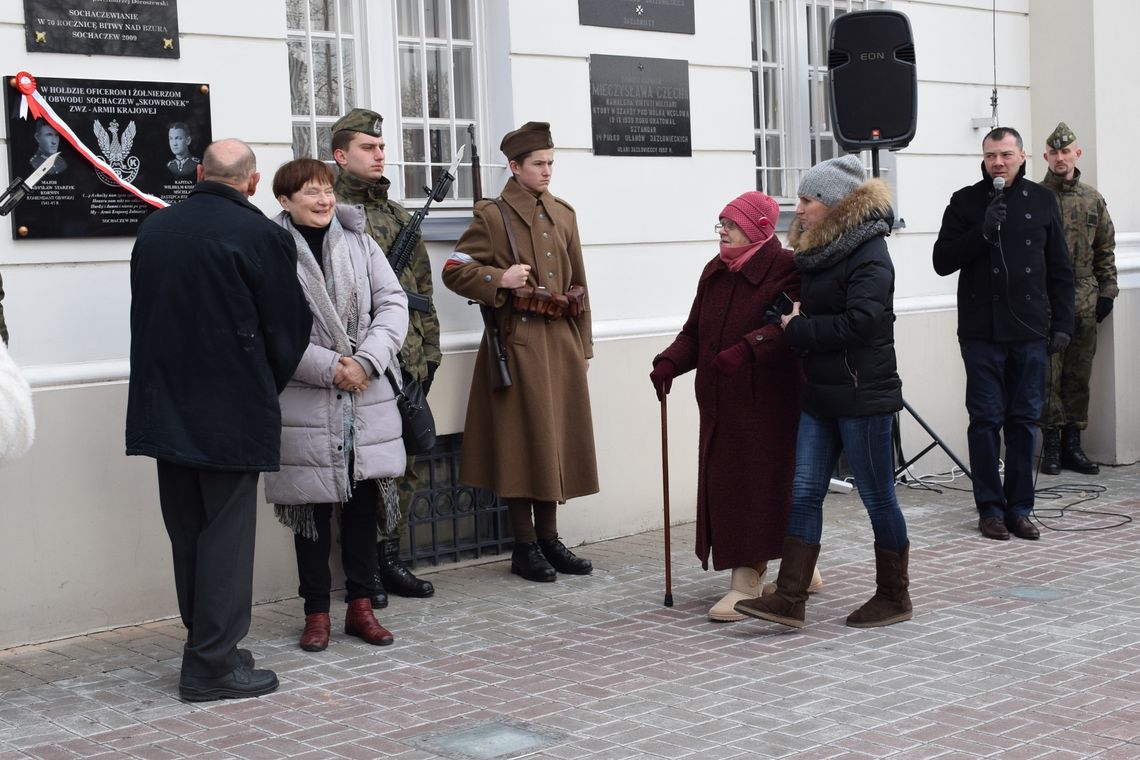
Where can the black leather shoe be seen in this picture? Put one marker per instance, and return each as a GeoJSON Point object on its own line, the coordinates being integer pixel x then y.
{"type": "Point", "coordinates": [245, 657]}
{"type": "Point", "coordinates": [242, 682]}
{"type": "Point", "coordinates": [396, 576]}
{"type": "Point", "coordinates": [1023, 527]}
{"type": "Point", "coordinates": [993, 527]}
{"type": "Point", "coordinates": [379, 594]}
{"type": "Point", "coordinates": [564, 560]}
{"type": "Point", "coordinates": [527, 561]}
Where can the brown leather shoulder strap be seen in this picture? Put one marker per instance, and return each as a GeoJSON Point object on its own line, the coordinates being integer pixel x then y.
{"type": "Point", "coordinates": [510, 231]}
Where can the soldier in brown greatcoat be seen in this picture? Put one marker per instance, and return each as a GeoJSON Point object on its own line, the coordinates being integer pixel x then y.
{"type": "Point", "coordinates": [531, 443]}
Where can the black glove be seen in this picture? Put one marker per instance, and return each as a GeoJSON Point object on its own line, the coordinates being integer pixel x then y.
{"type": "Point", "coordinates": [431, 368]}
{"type": "Point", "coordinates": [995, 215]}
{"type": "Point", "coordinates": [771, 316]}
{"type": "Point", "coordinates": [1103, 308]}
{"type": "Point", "coordinates": [1058, 343]}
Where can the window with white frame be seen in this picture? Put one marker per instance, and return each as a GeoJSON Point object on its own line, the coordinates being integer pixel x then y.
{"type": "Point", "coordinates": [790, 88]}
{"type": "Point", "coordinates": [323, 65]}
{"type": "Point", "coordinates": [436, 61]}
{"type": "Point", "coordinates": [419, 69]}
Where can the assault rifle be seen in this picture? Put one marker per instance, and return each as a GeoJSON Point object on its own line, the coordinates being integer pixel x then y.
{"type": "Point", "coordinates": [496, 356]}
{"type": "Point", "coordinates": [405, 244]}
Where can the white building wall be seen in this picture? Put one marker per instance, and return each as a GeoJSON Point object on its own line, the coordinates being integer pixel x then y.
{"type": "Point", "coordinates": [83, 546]}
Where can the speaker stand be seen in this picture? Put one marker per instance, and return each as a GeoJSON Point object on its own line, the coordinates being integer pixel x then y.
{"type": "Point", "coordinates": [937, 439]}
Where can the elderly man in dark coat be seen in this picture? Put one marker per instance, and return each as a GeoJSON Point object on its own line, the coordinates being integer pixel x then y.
{"type": "Point", "coordinates": [533, 442]}
{"type": "Point", "coordinates": [218, 324]}
{"type": "Point", "coordinates": [748, 386]}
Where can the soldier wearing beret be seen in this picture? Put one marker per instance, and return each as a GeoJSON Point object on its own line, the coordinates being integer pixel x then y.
{"type": "Point", "coordinates": [532, 443]}
{"type": "Point", "coordinates": [1092, 243]}
{"type": "Point", "coordinates": [358, 149]}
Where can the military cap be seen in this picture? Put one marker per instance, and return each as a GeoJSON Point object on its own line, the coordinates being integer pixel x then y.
{"type": "Point", "coordinates": [360, 120]}
{"type": "Point", "coordinates": [1060, 137]}
{"type": "Point", "coordinates": [534, 135]}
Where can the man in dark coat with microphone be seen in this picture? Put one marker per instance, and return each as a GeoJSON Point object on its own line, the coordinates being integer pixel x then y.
{"type": "Point", "coordinates": [1004, 237]}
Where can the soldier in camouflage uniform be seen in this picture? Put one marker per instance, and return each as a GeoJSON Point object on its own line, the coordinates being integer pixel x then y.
{"type": "Point", "coordinates": [1092, 241]}
{"type": "Point", "coordinates": [358, 148]}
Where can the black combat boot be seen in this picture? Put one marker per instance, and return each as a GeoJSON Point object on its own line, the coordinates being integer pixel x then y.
{"type": "Point", "coordinates": [396, 576]}
{"type": "Point", "coordinates": [564, 560]}
{"type": "Point", "coordinates": [379, 595]}
{"type": "Point", "coordinates": [527, 561]}
{"type": "Point", "coordinates": [1072, 456]}
{"type": "Point", "coordinates": [1051, 452]}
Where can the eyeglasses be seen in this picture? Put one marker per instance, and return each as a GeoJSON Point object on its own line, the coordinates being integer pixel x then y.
{"type": "Point", "coordinates": [727, 225]}
{"type": "Point", "coordinates": [316, 192]}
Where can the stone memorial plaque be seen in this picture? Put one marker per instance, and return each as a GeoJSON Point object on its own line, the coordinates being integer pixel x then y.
{"type": "Point", "coordinates": [645, 15]}
{"type": "Point", "coordinates": [151, 133]}
{"type": "Point", "coordinates": [640, 106]}
{"type": "Point", "coordinates": [103, 27]}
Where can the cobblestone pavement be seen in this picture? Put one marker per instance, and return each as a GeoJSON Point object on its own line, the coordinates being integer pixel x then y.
{"type": "Point", "coordinates": [1018, 649]}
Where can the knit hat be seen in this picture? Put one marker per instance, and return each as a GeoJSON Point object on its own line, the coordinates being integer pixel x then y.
{"type": "Point", "coordinates": [833, 180]}
{"type": "Point", "coordinates": [534, 135]}
{"type": "Point", "coordinates": [754, 213]}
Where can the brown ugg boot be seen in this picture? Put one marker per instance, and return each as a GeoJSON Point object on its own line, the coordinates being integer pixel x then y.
{"type": "Point", "coordinates": [786, 606]}
{"type": "Point", "coordinates": [891, 602]}
{"type": "Point", "coordinates": [747, 583]}
{"type": "Point", "coordinates": [360, 621]}
{"type": "Point", "coordinates": [315, 637]}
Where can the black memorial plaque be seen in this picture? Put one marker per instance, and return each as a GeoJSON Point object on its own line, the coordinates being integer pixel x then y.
{"type": "Point", "coordinates": [640, 106]}
{"type": "Point", "coordinates": [105, 27]}
{"type": "Point", "coordinates": [151, 133]}
{"type": "Point", "coordinates": [646, 15]}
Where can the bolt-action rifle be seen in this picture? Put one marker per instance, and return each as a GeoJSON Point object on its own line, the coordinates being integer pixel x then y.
{"type": "Point", "coordinates": [404, 246]}
{"type": "Point", "coordinates": [496, 355]}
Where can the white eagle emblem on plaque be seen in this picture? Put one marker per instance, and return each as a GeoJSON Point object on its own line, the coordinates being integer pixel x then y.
{"type": "Point", "coordinates": [117, 151]}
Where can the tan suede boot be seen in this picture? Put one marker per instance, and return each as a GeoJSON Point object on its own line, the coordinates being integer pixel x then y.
{"type": "Point", "coordinates": [786, 606]}
{"type": "Point", "coordinates": [891, 602]}
{"type": "Point", "coordinates": [816, 581]}
{"type": "Point", "coordinates": [747, 583]}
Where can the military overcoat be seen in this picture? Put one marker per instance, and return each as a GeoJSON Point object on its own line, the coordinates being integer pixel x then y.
{"type": "Point", "coordinates": [534, 439]}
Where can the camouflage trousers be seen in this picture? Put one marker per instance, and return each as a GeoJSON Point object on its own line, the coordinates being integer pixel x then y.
{"type": "Point", "coordinates": [1069, 371]}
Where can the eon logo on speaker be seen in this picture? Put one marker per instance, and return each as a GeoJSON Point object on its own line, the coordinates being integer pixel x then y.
{"type": "Point", "coordinates": [880, 56]}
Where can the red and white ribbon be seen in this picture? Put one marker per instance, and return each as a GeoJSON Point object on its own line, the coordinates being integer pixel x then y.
{"type": "Point", "coordinates": [32, 102]}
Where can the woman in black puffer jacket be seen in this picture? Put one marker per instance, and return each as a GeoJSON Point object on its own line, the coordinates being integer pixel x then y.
{"type": "Point", "coordinates": [845, 327]}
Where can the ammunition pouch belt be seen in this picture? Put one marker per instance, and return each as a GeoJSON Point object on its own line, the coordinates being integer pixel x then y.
{"type": "Point", "coordinates": [417, 302]}
{"type": "Point", "coordinates": [543, 303]}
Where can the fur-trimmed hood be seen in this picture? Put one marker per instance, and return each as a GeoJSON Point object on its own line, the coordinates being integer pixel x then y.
{"type": "Point", "coordinates": [870, 201]}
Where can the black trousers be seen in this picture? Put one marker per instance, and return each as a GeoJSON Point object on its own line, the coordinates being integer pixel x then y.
{"type": "Point", "coordinates": [357, 549]}
{"type": "Point", "coordinates": [211, 517]}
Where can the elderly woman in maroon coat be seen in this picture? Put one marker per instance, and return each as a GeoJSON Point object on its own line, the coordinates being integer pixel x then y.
{"type": "Point", "coordinates": [748, 388]}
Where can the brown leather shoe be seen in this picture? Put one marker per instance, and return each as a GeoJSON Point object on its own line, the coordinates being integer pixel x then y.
{"type": "Point", "coordinates": [360, 621]}
{"type": "Point", "coordinates": [315, 637]}
{"type": "Point", "coordinates": [1023, 527]}
{"type": "Point", "coordinates": [993, 527]}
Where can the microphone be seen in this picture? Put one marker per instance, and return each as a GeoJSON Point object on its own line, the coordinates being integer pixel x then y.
{"type": "Point", "coordinates": [999, 186]}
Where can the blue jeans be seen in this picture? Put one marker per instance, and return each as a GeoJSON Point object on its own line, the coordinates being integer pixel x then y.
{"type": "Point", "coordinates": [1005, 390]}
{"type": "Point", "coordinates": [867, 441]}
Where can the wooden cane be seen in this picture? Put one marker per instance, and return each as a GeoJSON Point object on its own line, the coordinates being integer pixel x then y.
{"type": "Point", "coordinates": [665, 491]}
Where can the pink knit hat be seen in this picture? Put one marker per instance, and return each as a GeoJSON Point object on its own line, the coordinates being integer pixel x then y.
{"type": "Point", "coordinates": [754, 213]}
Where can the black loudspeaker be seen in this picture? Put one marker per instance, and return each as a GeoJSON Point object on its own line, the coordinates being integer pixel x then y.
{"type": "Point", "coordinates": [874, 82]}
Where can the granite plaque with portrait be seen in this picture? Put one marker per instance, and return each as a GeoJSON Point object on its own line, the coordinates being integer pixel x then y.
{"type": "Point", "coordinates": [146, 28]}
{"type": "Point", "coordinates": [640, 106]}
{"type": "Point", "coordinates": [646, 15]}
{"type": "Point", "coordinates": [151, 133]}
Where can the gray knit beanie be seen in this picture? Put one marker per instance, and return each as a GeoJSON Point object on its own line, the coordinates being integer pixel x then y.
{"type": "Point", "coordinates": [833, 180]}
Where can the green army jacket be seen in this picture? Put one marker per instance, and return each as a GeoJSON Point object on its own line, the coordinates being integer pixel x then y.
{"type": "Point", "coordinates": [383, 220]}
{"type": "Point", "coordinates": [1089, 232]}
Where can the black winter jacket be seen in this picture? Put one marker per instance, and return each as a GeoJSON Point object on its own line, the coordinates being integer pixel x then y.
{"type": "Point", "coordinates": [847, 306]}
{"type": "Point", "coordinates": [1019, 286]}
{"type": "Point", "coordinates": [218, 324]}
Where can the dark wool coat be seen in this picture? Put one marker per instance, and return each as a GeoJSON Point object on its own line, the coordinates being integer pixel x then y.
{"type": "Point", "coordinates": [218, 324]}
{"type": "Point", "coordinates": [1007, 292]}
{"type": "Point", "coordinates": [748, 422]}
{"type": "Point", "coordinates": [847, 327]}
{"type": "Point", "coordinates": [534, 439]}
